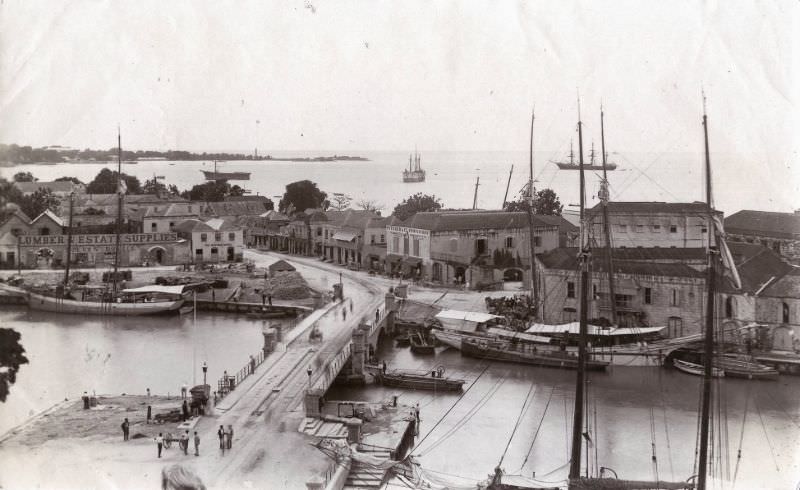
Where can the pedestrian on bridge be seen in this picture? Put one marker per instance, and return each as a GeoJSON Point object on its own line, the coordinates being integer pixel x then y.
{"type": "Point", "coordinates": [221, 434]}
{"type": "Point", "coordinates": [229, 436]}
{"type": "Point", "coordinates": [351, 305]}
{"type": "Point", "coordinates": [377, 315]}
{"type": "Point", "coordinates": [159, 442]}
{"type": "Point", "coordinates": [344, 314]}
{"type": "Point", "coordinates": [196, 444]}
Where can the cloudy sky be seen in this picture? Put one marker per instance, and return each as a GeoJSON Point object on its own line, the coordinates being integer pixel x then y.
{"type": "Point", "coordinates": [316, 75]}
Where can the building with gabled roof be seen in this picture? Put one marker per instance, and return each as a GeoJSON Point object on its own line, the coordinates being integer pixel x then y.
{"type": "Point", "coordinates": [778, 231]}
{"type": "Point", "coordinates": [215, 240]}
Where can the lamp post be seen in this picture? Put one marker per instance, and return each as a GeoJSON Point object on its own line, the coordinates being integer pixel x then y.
{"type": "Point", "coordinates": [309, 372]}
{"type": "Point", "coordinates": [205, 371]}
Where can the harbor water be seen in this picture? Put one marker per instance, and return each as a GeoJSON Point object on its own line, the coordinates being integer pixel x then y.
{"type": "Point", "coordinates": [633, 412]}
{"type": "Point", "coordinates": [452, 175]}
{"type": "Point", "coordinates": [70, 354]}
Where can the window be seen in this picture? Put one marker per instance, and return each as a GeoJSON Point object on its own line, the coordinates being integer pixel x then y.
{"type": "Point", "coordinates": [10, 257]}
{"type": "Point", "coordinates": [622, 227]}
{"type": "Point", "coordinates": [153, 227]}
{"type": "Point", "coordinates": [405, 245]}
{"type": "Point", "coordinates": [509, 242]}
{"type": "Point", "coordinates": [199, 252]}
{"type": "Point", "coordinates": [674, 298]}
{"type": "Point", "coordinates": [231, 236]}
{"type": "Point", "coordinates": [453, 245]}
{"type": "Point", "coordinates": [480, 246]}
{"type": "Point", "coordinates": [17, 231]}
{"type": "Point", "coordinates": [217, 237]}
{"type": "Point", "coordinates": [570, 289]}
{"type": "Point", "coordinates": [171, 225]}
{"type": "Point", "coordinates": [785, 312]}
{"type": "Point", "coordinates": [729, 307]}
{"type": "Point", "coordinates": [675, 326]}
{"type": "Point", "coordinates": [416, 247]}
{"type": "Point", "coordinates": [396, 244]}
{"type": "Point", "coordinates": [704, 230]}
{"type": "Point", "coordinates": [372, 239]}
{"type": "Point", "coordinates": [639, 228]}
{"type": "Point", "coordinates": [537, 241]}
{"type": "Point", "coordinates": [623, 300]}
{"type": "Point", "coordinates": [214, 251]}
{"type": "Point", "coordinates": [594, 291]}
{"type": "Point", "coordinates": [569, 315]}
{"type": "Point", "coordinates": [319, 231]}
{"type": "Point", "coordinates": [326, 233]}
{"type": "Point", "coordinates": [657, 228]}
{"type": "Point", "coordinates": [383, 239]}
{"type": "Point", "coordinates": [44, 231]}
{"type": "Point", "coordinates": [673, 229]}
{"type": "Point", "coordinates": [203, 237]}
{"type": "Point", "coordinates": [648, 296]}
{"type": "Point", "coordinates": [190, 208]}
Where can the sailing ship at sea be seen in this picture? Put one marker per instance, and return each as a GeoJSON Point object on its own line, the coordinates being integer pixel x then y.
{"type": "Point", "coordinates": [414, 172]}
{"type": "Point", "coordinates": [216, 175]}
{"type": "Point", "coordinates": [571, 165]}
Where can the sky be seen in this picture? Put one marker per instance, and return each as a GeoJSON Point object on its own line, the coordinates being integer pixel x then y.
{"type": "Point", "coordinates": [349, 76]}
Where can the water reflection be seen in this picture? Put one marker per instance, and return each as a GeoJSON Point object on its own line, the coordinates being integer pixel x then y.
{"type": "Point", "coordinates": [70, 354]}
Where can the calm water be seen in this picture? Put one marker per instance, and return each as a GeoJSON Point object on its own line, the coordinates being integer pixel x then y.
{"type": "Point", "coordinates": [452, 175]}
{"type": "Point", "coordinates": [70, 354]}
{"type": "Point", "coordinates": [633, 407]}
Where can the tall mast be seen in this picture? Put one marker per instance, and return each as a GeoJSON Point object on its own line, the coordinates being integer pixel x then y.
{"type": "Point", "coordinates": [604, 197]}
{"type": "Point", "coordinates": [702, 469]}
{"type": "Point", "coordinates": [537, 314]}
{"type": "Point", "coordinates": [69, 237]}
{"type": "Point", "coordinates": [119, 207]}
{"type": "Point", "coordinates": [583, 259]}
{"type": "Point", "coordinates": [475, 197]}
{"type": "Point", "coordinates": [508, 184]}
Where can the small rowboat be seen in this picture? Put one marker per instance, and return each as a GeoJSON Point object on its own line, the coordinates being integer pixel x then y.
{"type": "Point", "coordinates": [696, 369]}
{"type": "Point", "coordinates": [414, 381]}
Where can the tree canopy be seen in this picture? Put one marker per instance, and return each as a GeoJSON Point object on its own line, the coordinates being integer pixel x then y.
{"type": "Point", "coordinates": [416, 204]}
{"type": "Point", "coordinates": [106, 182]}
{"type": "Point", "coordinates": [32, 205]}
{"type": "Point", "coordinates": [74, 180]}
{"type": "Point", "coordinates": [340, 201]}
{"type": "Point", "coordinates": [301, 195]}
{"type": "Point", "coordinates": [547, 202]}
{"type": "Point", "coordinates": [24, 177]}
{"type": "Point", "coordinates": [12, 356]}
{"type": "Point", "coordinates": [211, 191]}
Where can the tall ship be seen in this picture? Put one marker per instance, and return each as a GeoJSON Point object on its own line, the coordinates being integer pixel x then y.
{"type": "Point", "coordinates": [414, 173]}
{"type": "Point", "coordinates": [216, 175]}
{"type": "Point", "coordinates": [572, 165]}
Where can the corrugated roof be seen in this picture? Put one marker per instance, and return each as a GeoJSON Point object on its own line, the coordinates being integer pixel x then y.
{"type": "Point", "coordinates": [764, 223]}
{"type": "Point", "coordinates": [648, 207]}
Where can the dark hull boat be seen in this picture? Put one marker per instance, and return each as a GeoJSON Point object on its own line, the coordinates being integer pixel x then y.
{"type": "Point", "coordinates": [493, 350]}
{"type": "Point", "coordinates": [226, 175]}
{"type": "Point", "coordinates": [420, 345]}
{"type": "Point", "coordinates": [418, 381]}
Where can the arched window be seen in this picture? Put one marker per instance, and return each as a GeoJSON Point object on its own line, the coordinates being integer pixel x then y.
{"type": "Point", "coordinates": [675, 326]}
{"type": "Point", "coordinates": [785, 312]}
{"type": "Point", "coordinates": [729, 307]}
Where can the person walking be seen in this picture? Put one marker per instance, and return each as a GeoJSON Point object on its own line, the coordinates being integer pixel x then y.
{"type": "Point", "coordinates": [185, 409]}
{"type": "Point", "coordinates": [159, 442]}
{"type": "Point", "coordinates": [185, 442]}
{"type": "Point", "coordinates": [221, 434]}
{"type": "Point", "coordinates": [263, 298]}
{"type": "Point", "coordinates": [229, 436]}
{"type": "Point", "coordinates": [269, 299]}
{"type": "Point", "coordinates": [377, 315]}
{"type": "Point", "coordinates": [351, 305]}
{"type": "Point", "coordinates": [149, 413]}
{"type": "Point", "coordinates": [252, 364]}
{"type": "Point", "coordinates": [196, 444]}
{"type": "Point", "coordinates": [125, 429]}
{"type": "Point", "coordinates": [344, 314]}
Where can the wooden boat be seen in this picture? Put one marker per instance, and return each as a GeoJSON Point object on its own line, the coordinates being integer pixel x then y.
{"type": "Point", "coordinates": [420, 345]}
{"type": "Point", "coordinates": [266, 314]}
{"type": "Point", "coordinates": [736, 367]}
{"type": "Point", "coordinates": [507, 351]}
{"type": "Point", "coordinates": [696, 369]}
{"type": "Point", "coordinates": [571, 165]}
{"type": "Point", "coordinates": [226, 175]}
{"type": "Point", "coordinates": [126, 306]}
{"type": "Point", "coordinates": [185, 310]}
{"type": "Point", "coordinates": [413, 381]}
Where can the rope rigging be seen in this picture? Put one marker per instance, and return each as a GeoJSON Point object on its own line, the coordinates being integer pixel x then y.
{"type": "Point", "coordinates": [522, 411]}
{"type": "Point", "coordinates": [538, 428]}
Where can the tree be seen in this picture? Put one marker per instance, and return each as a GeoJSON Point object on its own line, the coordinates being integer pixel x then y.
{"type": "Point", "coordinates": [416, 204]}
{"type": "Point", "coordinates": [301, 195]}
{"type": "Point", "coordinates": [547, 202]}
{"type": "Point", "coordinates": [12, 356]}
{"type": "Point", "coordinates": [211, 191]}
{"type": "Point", "coordinates": [340, 201]}
{"type": "Point", "coordinates": [35, 204]}
{"type": "Point", "coordinates": [153, 186]}
{"type": "Point", "coordinates": [74, 180]}
{"type": "Point", "coordinates": [369, 205]}
{"type": "Point", "coordinates": [24, 177]}
{"type": "Point", "coordinates": [106, 182]}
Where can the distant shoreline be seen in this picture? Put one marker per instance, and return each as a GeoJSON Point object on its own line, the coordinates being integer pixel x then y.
{"type": "Point", "coordinates": [322, 159]}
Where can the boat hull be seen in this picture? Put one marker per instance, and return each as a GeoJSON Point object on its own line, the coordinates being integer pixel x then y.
{"type": "Point", "coordinates": [417, 382]}
{"type": "Point", "coordinates": [226, 175]}
{"type": "Point", "coordinates": [493, 351]}
{"type": "Point", "coordinates": [696, 369]}
{"type": "Point", "coordinates": [575, 166]}
{"type": "Point", "coordinates": [59, 305]}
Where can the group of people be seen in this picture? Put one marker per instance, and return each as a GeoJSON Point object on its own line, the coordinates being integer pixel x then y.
{"type": "Point", "coordinates": [183, 443]}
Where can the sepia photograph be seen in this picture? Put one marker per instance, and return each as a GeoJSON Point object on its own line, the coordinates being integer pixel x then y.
{"type": "Point", "coordinates": [315, 245]}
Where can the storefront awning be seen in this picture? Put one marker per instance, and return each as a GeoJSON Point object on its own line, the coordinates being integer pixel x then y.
{"type": "Point", "coordinates": [344, 236]}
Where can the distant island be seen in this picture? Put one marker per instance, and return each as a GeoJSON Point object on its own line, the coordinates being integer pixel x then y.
{"type": "Point", "coordinates": [19, 155]}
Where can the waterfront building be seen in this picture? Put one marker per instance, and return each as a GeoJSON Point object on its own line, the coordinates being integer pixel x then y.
{"type": "Point", "coordinates": [163, 218]}
{"type": "Point", "coordinates": [481, 248]}
{"type": "Point", "coordinates": [652, 224]}
{"type": "Point", "coordinates": [647, 293]}
{"type": "Point", "coordinates": [61, 188]}
{"type": "Point", "coordinates": [232, 209]}
{"type": "Point", "coordinates": [346, 242]}
{"type": "Point", "coordinates": [373, 250]}
{"type": "Point", "coordinates": [15, 224]}
{"type": "Point", "coordinates": [778, 231]}
{"type": "Point", "coordinates": [261, 231]}
{"type": "Point", "coordinates": [96, 210]}
{"type": "Point", "coordinates": [215, 240]}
